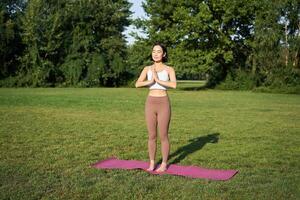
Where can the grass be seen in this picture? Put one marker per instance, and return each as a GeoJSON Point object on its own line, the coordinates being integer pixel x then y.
{"type": "Point", "coordinates": [190, 84]}
{"type": "Point", "coordinates": [49, 137]}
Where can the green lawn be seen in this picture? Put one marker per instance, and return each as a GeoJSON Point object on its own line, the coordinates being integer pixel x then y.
{"type": "Point", "coordinates": [49, 138]}
{"type": "Point", "coordinates": [186, 84]}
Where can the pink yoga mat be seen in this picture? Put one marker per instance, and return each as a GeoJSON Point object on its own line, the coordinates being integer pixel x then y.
{"type": "Point", "coordinates": [173, 169]}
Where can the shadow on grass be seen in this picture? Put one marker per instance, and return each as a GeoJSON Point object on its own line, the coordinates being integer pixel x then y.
{"type": "Point", "coordinates": [194, 145]}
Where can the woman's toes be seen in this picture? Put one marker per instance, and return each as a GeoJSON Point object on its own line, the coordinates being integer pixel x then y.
{"type": "Point", "coordinates": [162, 168]}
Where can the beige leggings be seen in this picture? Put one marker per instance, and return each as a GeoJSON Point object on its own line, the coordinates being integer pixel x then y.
{"type": "Point", "coordinates": [158, 113]}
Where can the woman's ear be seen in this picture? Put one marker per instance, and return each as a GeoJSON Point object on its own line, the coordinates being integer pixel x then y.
{"type": "Point", "coordinates": [164, 55]}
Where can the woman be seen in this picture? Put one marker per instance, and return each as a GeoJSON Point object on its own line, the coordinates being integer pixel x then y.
{"type": "Point", "coordinates": [157, 107]}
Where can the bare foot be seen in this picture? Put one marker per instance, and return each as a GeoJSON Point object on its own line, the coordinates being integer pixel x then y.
{"type": "Point", "coordinates": [162, 168]}
{"type": "Point", "coordinates": [151, 167]}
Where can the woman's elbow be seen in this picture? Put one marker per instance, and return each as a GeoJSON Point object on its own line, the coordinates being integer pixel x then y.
{"type": "Point", "coordinates": [174, 85]}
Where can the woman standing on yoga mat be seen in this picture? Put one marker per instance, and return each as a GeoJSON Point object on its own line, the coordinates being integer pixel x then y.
{"type": "Point", "coordinates": [157, 106]}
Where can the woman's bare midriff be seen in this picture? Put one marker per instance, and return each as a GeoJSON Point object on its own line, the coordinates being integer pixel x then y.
{"type": "Point", "coordinates": [157, 93]}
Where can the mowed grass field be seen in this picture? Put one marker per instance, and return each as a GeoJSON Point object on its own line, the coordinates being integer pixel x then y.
{"type": "Point", "coordinates": [50, 137]}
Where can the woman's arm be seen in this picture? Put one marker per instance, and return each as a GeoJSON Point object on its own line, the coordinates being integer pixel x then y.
{"type": "Point", "coordinates": [140, 82]}
{"type": "Point", "coordinates": [171, 83]}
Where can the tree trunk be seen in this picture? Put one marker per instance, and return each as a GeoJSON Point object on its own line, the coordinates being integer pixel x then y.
{"type": "Point", "coordinates": [286, 45]}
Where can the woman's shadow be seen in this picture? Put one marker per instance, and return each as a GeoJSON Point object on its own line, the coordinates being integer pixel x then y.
{"type": "Point", "coordinates": [194, 145]}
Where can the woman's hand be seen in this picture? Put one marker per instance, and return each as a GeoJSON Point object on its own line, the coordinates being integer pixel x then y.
{"type": "Point", "coordinates": [155, 77]}
{"type": "Point", "coordinates": [152, 78]}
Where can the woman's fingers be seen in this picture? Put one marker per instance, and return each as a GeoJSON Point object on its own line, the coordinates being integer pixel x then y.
{"type": "Point", "coordinates": [155, 75]}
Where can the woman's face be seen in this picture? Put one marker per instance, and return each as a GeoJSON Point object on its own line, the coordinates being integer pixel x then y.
{"type": "Point", "coordinates": [157, 53]}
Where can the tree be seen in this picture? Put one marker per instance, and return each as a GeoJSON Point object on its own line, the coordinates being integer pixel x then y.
{"type": "Point", "coordinates": [63, 41]}
{"type": "Point", "coordinates": [245, 40]}
{"type": "Point", "coordinates": [274, 43]}
{"type": "Point", "coordinates": [42, 36]}
{"type": "Point", "coordinates": [204, 37]}
{"type": "Point", "coordinates": [11, 45]}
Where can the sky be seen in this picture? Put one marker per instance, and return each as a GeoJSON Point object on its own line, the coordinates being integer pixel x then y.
{"type": "Point", "coordinates": [137, 11]}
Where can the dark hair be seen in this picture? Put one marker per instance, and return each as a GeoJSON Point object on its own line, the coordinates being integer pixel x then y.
{"type": "Point", "coordinates": [165, 57]}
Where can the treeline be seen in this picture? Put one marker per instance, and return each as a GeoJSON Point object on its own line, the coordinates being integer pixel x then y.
{"type": "Point", "coordinates": [238, 44]}
{"type": "Point", "coordinates": [63, 42]}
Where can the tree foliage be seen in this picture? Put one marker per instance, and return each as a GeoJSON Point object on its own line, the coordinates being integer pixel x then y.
{"type": "Point", "coordinates": [73, 43]}
{"type": "Point", "coordinates": [218, 38]}
{"type": "Point", "coordinates": [10, 38]}
{"type": "Point", "coordinates": [238, 44]}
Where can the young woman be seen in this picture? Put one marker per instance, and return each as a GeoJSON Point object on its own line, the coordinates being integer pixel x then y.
{"type": "Point", "coordinates": [157, 106]}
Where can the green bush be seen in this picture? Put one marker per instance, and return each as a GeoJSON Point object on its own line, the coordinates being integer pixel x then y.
{"type": "Point", "coordinates": [238, 80]}
{"type": "Point", "coordinates": [283, 77]}
{"type": "Point", "coordinates": [8, 82]}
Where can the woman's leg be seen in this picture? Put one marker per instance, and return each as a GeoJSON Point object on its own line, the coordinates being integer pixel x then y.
{"type": "Point", "coordinates": [163, 118]}
{"type": "Point", "coordinates": [151, 121]}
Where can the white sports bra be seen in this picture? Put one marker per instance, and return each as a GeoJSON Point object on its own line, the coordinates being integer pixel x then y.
{"type": "Point", "coordinates": [162, 75]}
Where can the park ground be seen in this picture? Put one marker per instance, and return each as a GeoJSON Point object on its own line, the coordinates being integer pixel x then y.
{"type": "Point", "coordinates": [50, 136]}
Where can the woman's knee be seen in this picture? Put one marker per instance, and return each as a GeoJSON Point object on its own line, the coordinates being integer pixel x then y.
{"type": "Point", "coordinates": [164, 137]}
{"type": "Point", "coordinates": [152, 137]}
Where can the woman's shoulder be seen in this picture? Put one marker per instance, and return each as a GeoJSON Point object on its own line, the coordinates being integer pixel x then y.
{"type": "Point", "coordinates": [147, 68]}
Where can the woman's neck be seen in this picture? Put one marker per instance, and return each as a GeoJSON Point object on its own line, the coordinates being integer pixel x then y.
{"type": "Point", "coordinates": [158, 65]}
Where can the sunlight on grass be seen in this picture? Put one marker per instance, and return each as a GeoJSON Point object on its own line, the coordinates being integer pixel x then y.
{"type": "Point", "coordinates": [49, 138]}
